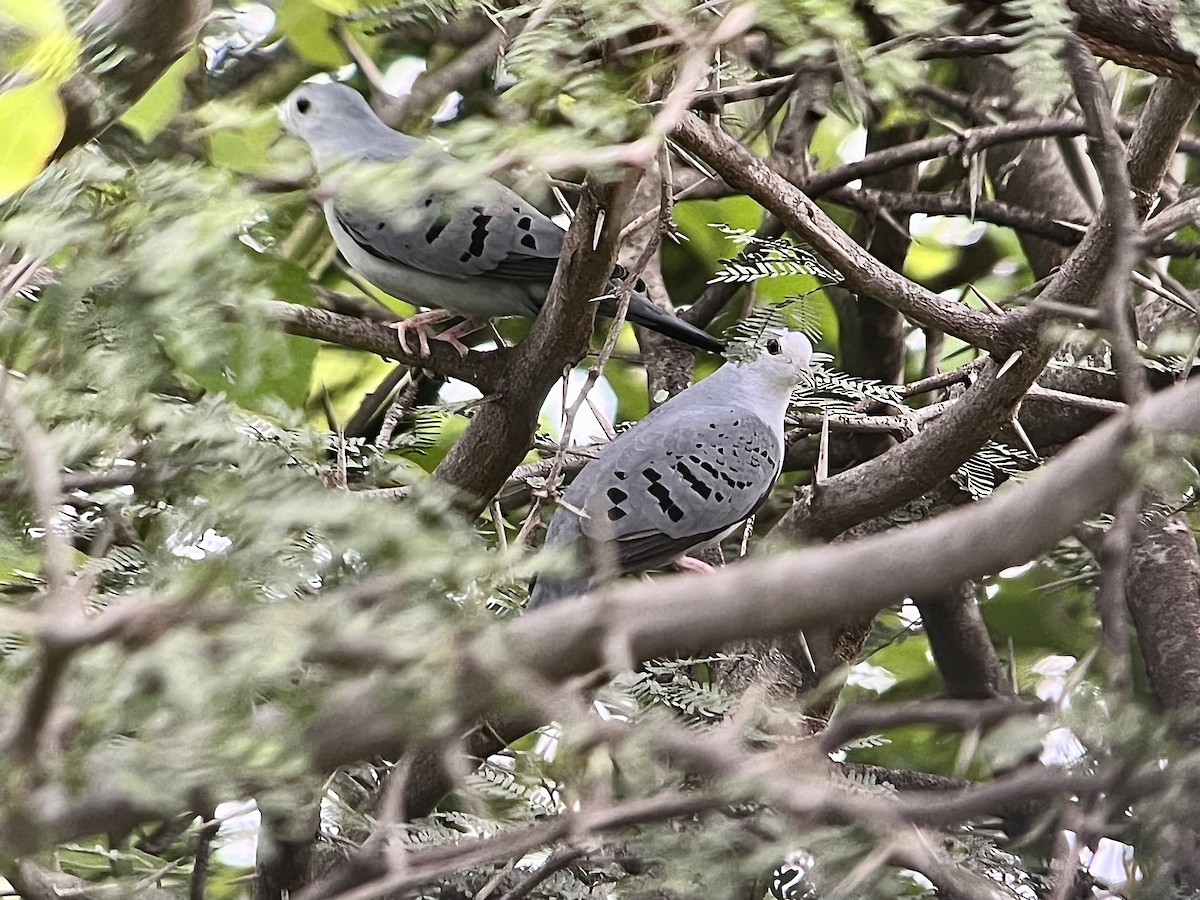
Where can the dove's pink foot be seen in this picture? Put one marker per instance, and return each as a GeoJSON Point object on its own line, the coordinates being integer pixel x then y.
{"type": "Point", "coordinates": [452, 334]}
{"type": "Point", "coordinates": [691, 564]}
{"type": "Point", "coordinates": [422, 325]}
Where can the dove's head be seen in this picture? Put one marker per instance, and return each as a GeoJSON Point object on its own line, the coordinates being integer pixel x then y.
{"type": "Point", "coordinates": [786, 357]}
{"type": "Point", "coordinates": [338, 124]}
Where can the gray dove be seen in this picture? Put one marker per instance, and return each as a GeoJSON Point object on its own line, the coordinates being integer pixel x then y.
{"type": "Point", "coordinates": [685, 475]}
{"type": "Point", "coordinates": [479, 253]}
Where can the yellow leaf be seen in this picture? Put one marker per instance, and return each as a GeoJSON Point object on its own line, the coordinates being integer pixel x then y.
{"type": "Point", "coordinates": [39, 17]}
{"type": "Point", "coordinates": [338, 7]}
{"type": "Point", "coordinates": [36, 41]}
{"type": "Point", "coordinates": [52, 56]}
{"type": "Point", "coordinates": [31, 125]}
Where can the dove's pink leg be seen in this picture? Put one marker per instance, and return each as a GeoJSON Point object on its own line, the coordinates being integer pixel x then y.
{"type": "Point", "coordinates": [421, 324]}
{"type": "Point", "coordinates": [691, 564]}
{"type": "Point", "coordinates": [466, 326]}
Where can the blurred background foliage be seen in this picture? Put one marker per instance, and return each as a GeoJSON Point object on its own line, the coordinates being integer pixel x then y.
{"type": "Point", "coordinates": [199, 464]}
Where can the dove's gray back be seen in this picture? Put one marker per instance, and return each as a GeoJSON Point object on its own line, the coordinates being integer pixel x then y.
{"type": "Point", "coordinates": [482, 251]}
{"type": "Point", "coordinates": [686, 474]}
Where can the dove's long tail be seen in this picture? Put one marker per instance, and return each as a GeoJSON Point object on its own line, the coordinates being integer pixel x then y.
{"type": "Point", "coordinates": [643, 312]}
{"type": "Point", "coordinates": [550, 587]}
{"type": "Point", "coordinates": [545, 590]}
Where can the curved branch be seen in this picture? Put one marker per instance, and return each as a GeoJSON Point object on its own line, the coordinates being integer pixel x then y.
{"type": "Point", "coordinates": [1136, 33]}
{"type": "Point", "coordinates": [431, 87]}
{"type": "Point", "coordinates": [862, 272]}
{"type": "Point", "coordinates": [967, 143]}
{"type": "Point", "coordinates": [1008, 215]}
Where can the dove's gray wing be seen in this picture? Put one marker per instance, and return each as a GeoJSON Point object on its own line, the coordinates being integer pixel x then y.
{"type": "Point", "coordinates": [668, 485]}
{"type": "Point", "coordinates": [493, 234]}
{"type": "Point", "coordinates": [678, 483]}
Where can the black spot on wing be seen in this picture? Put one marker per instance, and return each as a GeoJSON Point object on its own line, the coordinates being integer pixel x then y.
{"type": "Point", "coordinates": [529, 241]}
{"type": "Point", "coordinates": [435, 231]}
{"type": "Point", "coordinates": [525, 223]}
{"type": "Point", "coordinates": [696, 483]}
{"type": "Point", "coordinates": [661, 493]}
{"type": "Point", "coordinates": [479, 233]}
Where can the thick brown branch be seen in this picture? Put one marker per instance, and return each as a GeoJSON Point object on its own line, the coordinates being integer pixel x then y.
{"type": "Point", "coordinates": [145, 36]}
{"type": "Point", "coordinates": [1137, 33]}
{"type": "Point", "coordinates": [961, 645]}
{"type": "Point", "coordinates": [479, 369]}
{"type": "Point", "coordinates": [502, 430]}
{"type": "Point", "coordinates": [1164, 600]}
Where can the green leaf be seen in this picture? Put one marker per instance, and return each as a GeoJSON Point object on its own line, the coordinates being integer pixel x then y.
{"type": "Point", "coordinates": [338, 7]}
{"type": "Point", "coordinates": [244, 148]}
{"type": "Point", "coordinates": [695, 219]}
{"type": "Point", "coordinates": [158, 105]}
{"type": "Point", "coordinates": [19, 565]}
{"type": "Point", "coordinates": [309, 30]}
{"type": "Point", "coordinates": [259, 374]}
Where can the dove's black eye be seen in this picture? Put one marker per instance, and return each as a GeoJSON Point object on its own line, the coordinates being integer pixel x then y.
{"type": "Point", "coordinates": [303, 105]}
{"type": "Point", "coordinates": [773, 347]}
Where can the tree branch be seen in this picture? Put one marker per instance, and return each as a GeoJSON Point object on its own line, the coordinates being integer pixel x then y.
{"type": "Point", "coordinates": [861, 271]}
{"type": "Point", "coordinates": [484, 370]}
{"type": "Point", "coordinates": [1136, 33]}
{"type": "Point", "coordinates": [961, 645]}
{"type": "Point", "coordinates": [146, 37]}
{"type": "Point", "coordinates": [501, 431]}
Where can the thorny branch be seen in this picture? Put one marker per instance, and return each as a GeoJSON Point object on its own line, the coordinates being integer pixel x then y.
{"type": "Point", "coordinates": [562, 643]}
{"type": "Point", "coordinates": [802, 589]}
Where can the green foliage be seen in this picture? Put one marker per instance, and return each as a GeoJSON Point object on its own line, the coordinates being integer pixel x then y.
{"type": "Point", "coordinates": [1039, 27]}
{"type": "Point", "coordinates": [211, 504]}
{"type": "Point", "coordinates": [768, 258]}
{"type": "Point", "coordinates": [994, 463]}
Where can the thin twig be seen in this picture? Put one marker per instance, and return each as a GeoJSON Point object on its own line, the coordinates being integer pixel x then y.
{"type": "Point", "coordinates": [556, 862]}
